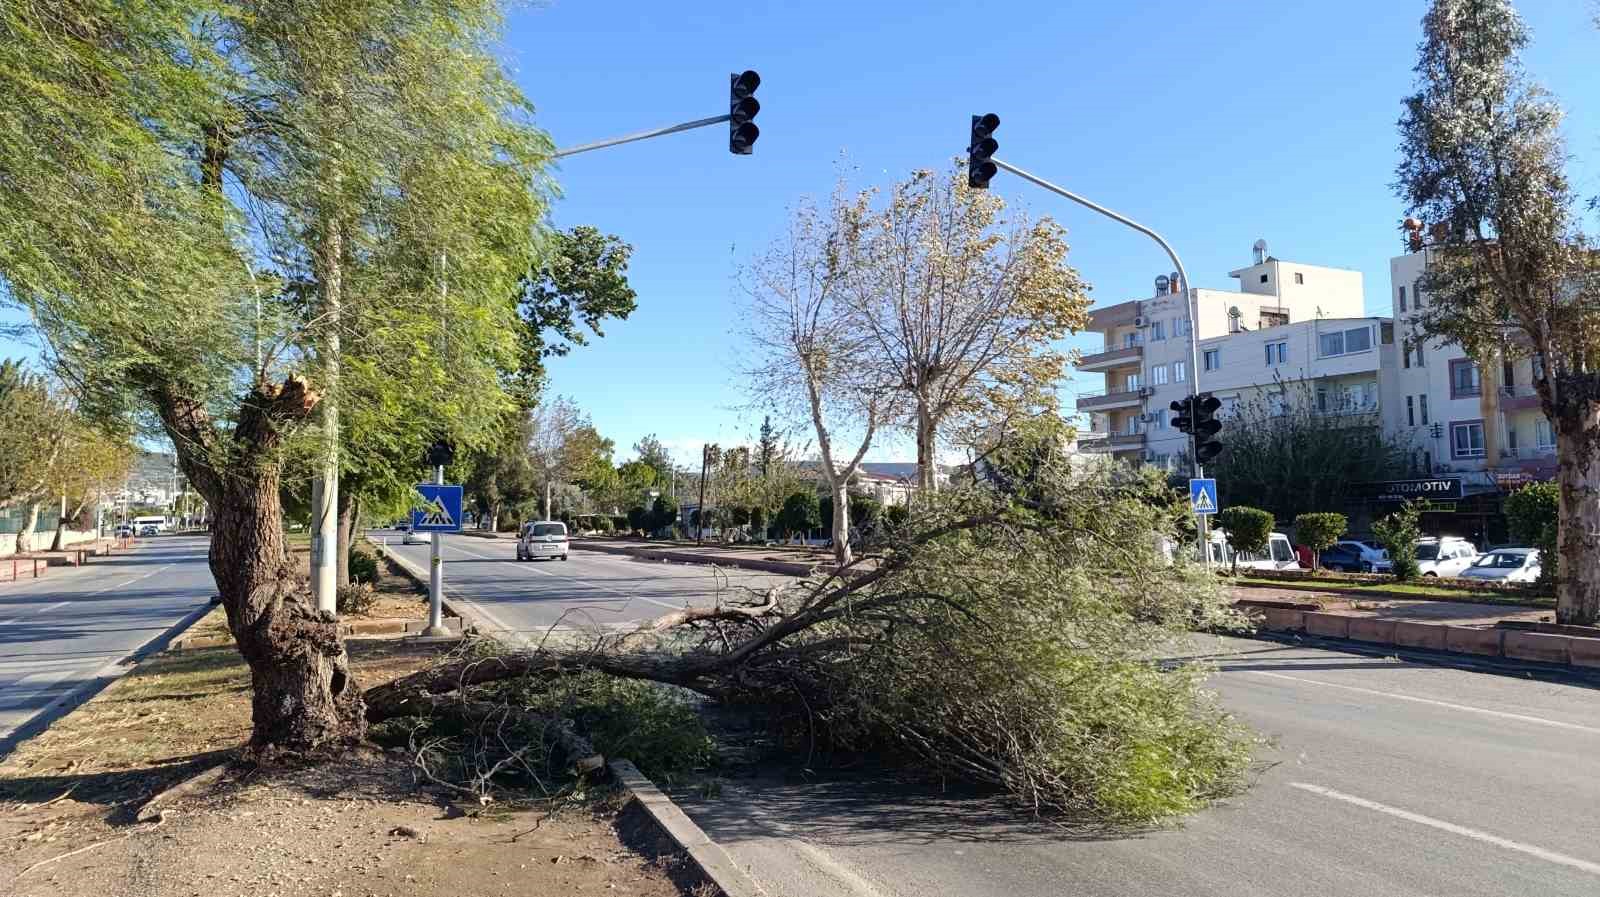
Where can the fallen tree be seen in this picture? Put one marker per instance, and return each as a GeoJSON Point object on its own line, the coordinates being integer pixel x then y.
{"type": "Point", "coordinates": [1004, 637]}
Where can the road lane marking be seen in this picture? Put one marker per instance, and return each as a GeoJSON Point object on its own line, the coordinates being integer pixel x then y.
{"type": "Point", "coordinates": [1536, 720]}
{"type": "Point", "coordinates": [45, 610]}
{"type": "Point", "coordinates": [1529, 849]}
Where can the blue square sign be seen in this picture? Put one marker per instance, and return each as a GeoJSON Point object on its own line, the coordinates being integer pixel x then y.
{"type": "Point", "coordinates": [1203, 496]}
{"type": "Point", "coordinates": [439, 510]}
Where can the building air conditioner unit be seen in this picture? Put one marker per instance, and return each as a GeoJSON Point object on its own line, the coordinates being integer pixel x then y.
{"type": "Point", "coordinates": [1146, 392]}
{"type": "Point", "coordinates": [1140, 321]}
{"type": "Point", "coordinates": [1146, 418]}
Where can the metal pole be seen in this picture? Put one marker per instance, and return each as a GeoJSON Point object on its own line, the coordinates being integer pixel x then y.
{"type": "Point", "coordinates": [642, 135]}
{"type": "Point", "coordinates": [436, 575]}
{"type": "Point", "coordinates": [1188, 306]}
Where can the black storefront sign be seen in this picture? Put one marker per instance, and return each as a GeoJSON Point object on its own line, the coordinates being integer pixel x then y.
{"type": "Point", "coordinates": [1433, 489]}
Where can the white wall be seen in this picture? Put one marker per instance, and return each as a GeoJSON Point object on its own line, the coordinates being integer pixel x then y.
{"type": "Point", "coordinates": [42, 539]}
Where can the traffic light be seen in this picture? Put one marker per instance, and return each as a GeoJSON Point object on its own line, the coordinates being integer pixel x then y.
{"type": "Point", "coordinates": [742, 109]}
{"type": "Point", "coordinates": [1183, 415]}
{"type": "Point", "coordinates": [1206, 427]}
{"type": "Point", "coordinates": [440, 454]}
{"type": "Point", "coordinates": [980, 167]}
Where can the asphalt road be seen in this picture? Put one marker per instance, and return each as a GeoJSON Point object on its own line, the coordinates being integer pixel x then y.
{"type": "Point", "coordinates": [1383, 778]}
{"type": "Point", "coordinates": [526, 598]}
{"type": "Point", "coordinates": [68, 630]}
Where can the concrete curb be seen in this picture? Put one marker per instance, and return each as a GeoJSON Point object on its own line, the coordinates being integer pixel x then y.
{"type": "Point", "coordinates": [711, 858]}
{"type": "Point", "coordinates": [782, 568]}
{"type": "Point", "coordinates": [1578, 654]}
{"type": "Point", "coordinates": [467, 621]}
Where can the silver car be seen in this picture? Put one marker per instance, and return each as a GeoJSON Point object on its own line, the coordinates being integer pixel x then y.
{"type": "Point", "coordinates": [1505, 565]}
{"type": "Point", "coordinates": [543, 539]}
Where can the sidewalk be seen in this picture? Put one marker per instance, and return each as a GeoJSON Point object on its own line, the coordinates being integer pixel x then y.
{"type": "Point", "coordinates": [34, 564]}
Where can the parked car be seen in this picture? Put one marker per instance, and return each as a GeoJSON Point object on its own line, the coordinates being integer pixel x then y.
{"type": "Point", "coordinates": [1448, 556]}
{"type": "Point", "coordinates": [415, 538]}
{"type": "Point", "coordinates": [1278, 556]}
{"type": "Point", "coordinates": [149, 529]}
{"type": "Point", "coordinates": [124, 531]}
{"type": "Point", "coordinates": [1369, 551]}
{"type": "Point", "coordinates": [1340, 556]}
{"type": "Point", "coordinates": [1505, 565]}
{"type": "Point", "coordinates": [543, 539]}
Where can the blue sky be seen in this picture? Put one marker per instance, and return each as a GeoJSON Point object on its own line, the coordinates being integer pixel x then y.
{"type": "Point", "coordinates": [1264, 119]}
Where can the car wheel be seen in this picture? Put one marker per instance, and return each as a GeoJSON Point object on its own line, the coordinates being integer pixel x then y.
{"type": "Point", "coordinates": [563, 557]}
{"type": "Point", "coordinates": [1432, 574]}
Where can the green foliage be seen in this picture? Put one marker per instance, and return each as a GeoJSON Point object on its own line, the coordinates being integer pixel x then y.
{"type": "Point", "coordinates": [1289, 457]}
{"type": "Point", "coordinates": [1029, 657]}
{"type": "Point", "coordinates": [638, 518]}
{"type": "Point", "coordinates": [604, 525]}
{"type": "Point", "coordinates": [1398, 534]}
{"type": "Point", "coordinates": [1248, 529]}
{"type": "Point", "coordinates": [581, 282]}
{"type": "Point", "coordinates": [1320, 530]}
{"type": "Point", "coordinates": [801, 513]}
{"type": "Point", "coordinates": [896, 516]}
{"type": "Point", "coordinates": [1533, 514]}
{"type": "Point", "coordinates": [663, 514]}
{"type": "Point", "coordinates": [363, 566]}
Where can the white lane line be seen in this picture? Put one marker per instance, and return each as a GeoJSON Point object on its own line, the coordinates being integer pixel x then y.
{"type": "Point", "coordinates": [1536, 720]}
{"type": "Point", "coordinates": [1529, 849]}
{"type": "Point", "coordinates": [528, 567]}
{"type": "Point", "coordinates": [45, 610]}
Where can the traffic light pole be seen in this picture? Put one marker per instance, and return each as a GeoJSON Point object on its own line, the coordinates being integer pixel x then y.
{"type": "Point", "coordinates": [1188, 305]}
{"type": "Point", "coordinates": [643, 135]}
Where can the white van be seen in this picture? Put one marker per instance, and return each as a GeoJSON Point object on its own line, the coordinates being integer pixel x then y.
{"type": "Point", "coordinates": [542, 539]}
{"type": "Point", "coordinates": [1278, 556]}
{"type": "Point", "coordinates": [149, 526]}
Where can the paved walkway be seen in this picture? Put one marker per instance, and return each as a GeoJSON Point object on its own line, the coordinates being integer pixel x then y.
{"type": "Point", "coordinates": [1423, 610]}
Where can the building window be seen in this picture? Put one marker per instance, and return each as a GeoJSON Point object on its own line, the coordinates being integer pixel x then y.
{"type": "Point", "coordinates": [1422, 406]}
{"type": "Point", "coordinates": [1276, 406]}
{"type": "Point", "coordinates": [1230, 406]}
{"type": "Point", "coordinates": [1158, 375]}
{"type": "Point", "coordinates": [1418, 349]}
{"type": "Point", "coordinates": [1411, 412]}
{"type": "Point", "coordinates": [1416, 294]}
{"type": "Point", "coordinates": [1322, 399]}
{"type": "Point", "coordinates": [1464, 379]}
{"type": "Point", "coordinates": [1538, 368]}
{"type": "Point", "coordinates": [1263, 278]}
{"type": "Point", "coordinates": [1299, 278]}
{"type": "Point", "coordinates": [1130, 383]}
{"type": "Point", "coordinates": [1158, 330]}
{"type": "Point", "coordinates": [1344, 342]}
{"type": "Point", "coordinates": [1508, 377]}
{"type": "Point", "coordinates": [1544, 435]}
{"type": "Point", "coordinates": [1213, 359]}
{"type": "Point", "coordinates": [1180, 371]}
{"type": "Point", "coordinates": [1161, 419]}
{"type": "Point", "coordinates": [1278, 352]}
{"type": "Point", "coordinates": [1405, 356]}
{"type": "Point", "coordinates": [1402, 298]}
{"type": "Point", "coordinates": [1466, 439]}
{"type": "Point", "coordinates": [1511, 440]}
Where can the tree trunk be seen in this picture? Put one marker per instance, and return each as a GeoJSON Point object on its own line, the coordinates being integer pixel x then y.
{"type": "Point", "coordinates": [30, 520]}
{"type": "Point", "coordinates": [1578, 472]}
{"type": "Point", "coordinates": [841, 523]}
{"type": "Point", "coordinates": [346, 534]}
{"type": "Point", "coordinates": [60, 541]}
{"type": "Point", "coordinates": [304, 700]}
{"type": "Point", "coordinates": [927, 479]}
{"type": "Point", "coordinates": [547, 488]}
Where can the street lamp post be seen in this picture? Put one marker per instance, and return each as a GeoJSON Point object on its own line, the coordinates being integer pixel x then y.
{"type": "Point", "coordinates": [1188, 307]}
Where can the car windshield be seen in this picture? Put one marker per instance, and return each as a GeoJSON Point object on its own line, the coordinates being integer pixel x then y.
{"type": "Point", "coordinates": [1427, 552]}
{"type": "Point", "coordinates": [1502, 559]}
{"type": "Point", "coordinates": [549, 529]}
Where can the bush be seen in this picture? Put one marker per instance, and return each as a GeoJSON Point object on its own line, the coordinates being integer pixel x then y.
{"type": "Point", "coordinates": [1398, 534]}
{"type": "Point", "coordinates": [603, 525]}
{"type": "Point", "coordinates": [363, 566]}
{"type": "Point", "coordinates": [1318, 531]}
{"type": "Point", "coordinates": [1248, 529]}
{"type": "Point", "coordinates": [355, 599]}
{"type": "Point", "coordinates": [638, 518]}
{"type": "Point", "coordinates": [618, 524]}
{"type": "Point", "coordinates": [896, 516]}
{"type": "Point", "coordinates": [663, 513]}
{"type": "Point", "coordinates": [801, 513]}
{"type": "Point", "coordinates": [1533, 513]}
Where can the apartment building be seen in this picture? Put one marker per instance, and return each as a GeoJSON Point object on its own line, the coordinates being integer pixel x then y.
{"type": "Point", "coordinates": [1289, 325]}
{"type": "Point", "coordinates": [1481, 425]}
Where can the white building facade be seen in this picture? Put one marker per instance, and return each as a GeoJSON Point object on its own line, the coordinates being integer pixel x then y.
{"type": "Point", "coordinates": [1290, 327]}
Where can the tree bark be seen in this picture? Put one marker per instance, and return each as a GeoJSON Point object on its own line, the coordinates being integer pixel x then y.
{"type": "Point", "coordinates": [927, 480]}
{"type": "Point", "coordinates": [305, 701]}
{"type": "Point", "coordinates": [30, 520]}
{"type": "Point", "coordinates": [841, 522]}
{"type": "Point", "coordinates": [1578, 472]}
{"type": "Point", "coordinates": [347, 527]}
{"type": "Point", "coordinates": [547, 489]}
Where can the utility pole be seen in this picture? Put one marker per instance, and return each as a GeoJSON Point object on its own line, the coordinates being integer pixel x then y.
{"type": "Point", "coordinates": [325, 486]}
{"type": "Point", "coordinates": [436, 571]}
{"type": "Point", "coordinates": [700, 512]}
{"type": "Point", "coordinates": [982, 166]}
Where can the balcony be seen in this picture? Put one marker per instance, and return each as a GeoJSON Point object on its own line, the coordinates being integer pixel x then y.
{"type": "Point", "coordinates": [1115, 442]}
{"type": "Point", "coordinates": [1518, 397]}
{"type": "Point", "coordinates": [1112, 356]}
{"type": "Point", "coordinates": [1102, 400]}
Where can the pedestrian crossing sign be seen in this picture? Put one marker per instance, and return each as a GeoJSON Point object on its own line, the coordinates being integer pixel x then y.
{"type": "Point", "coordinates": [438, 509]}
{"type": "Point", "coordinates": [1203, 496]}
